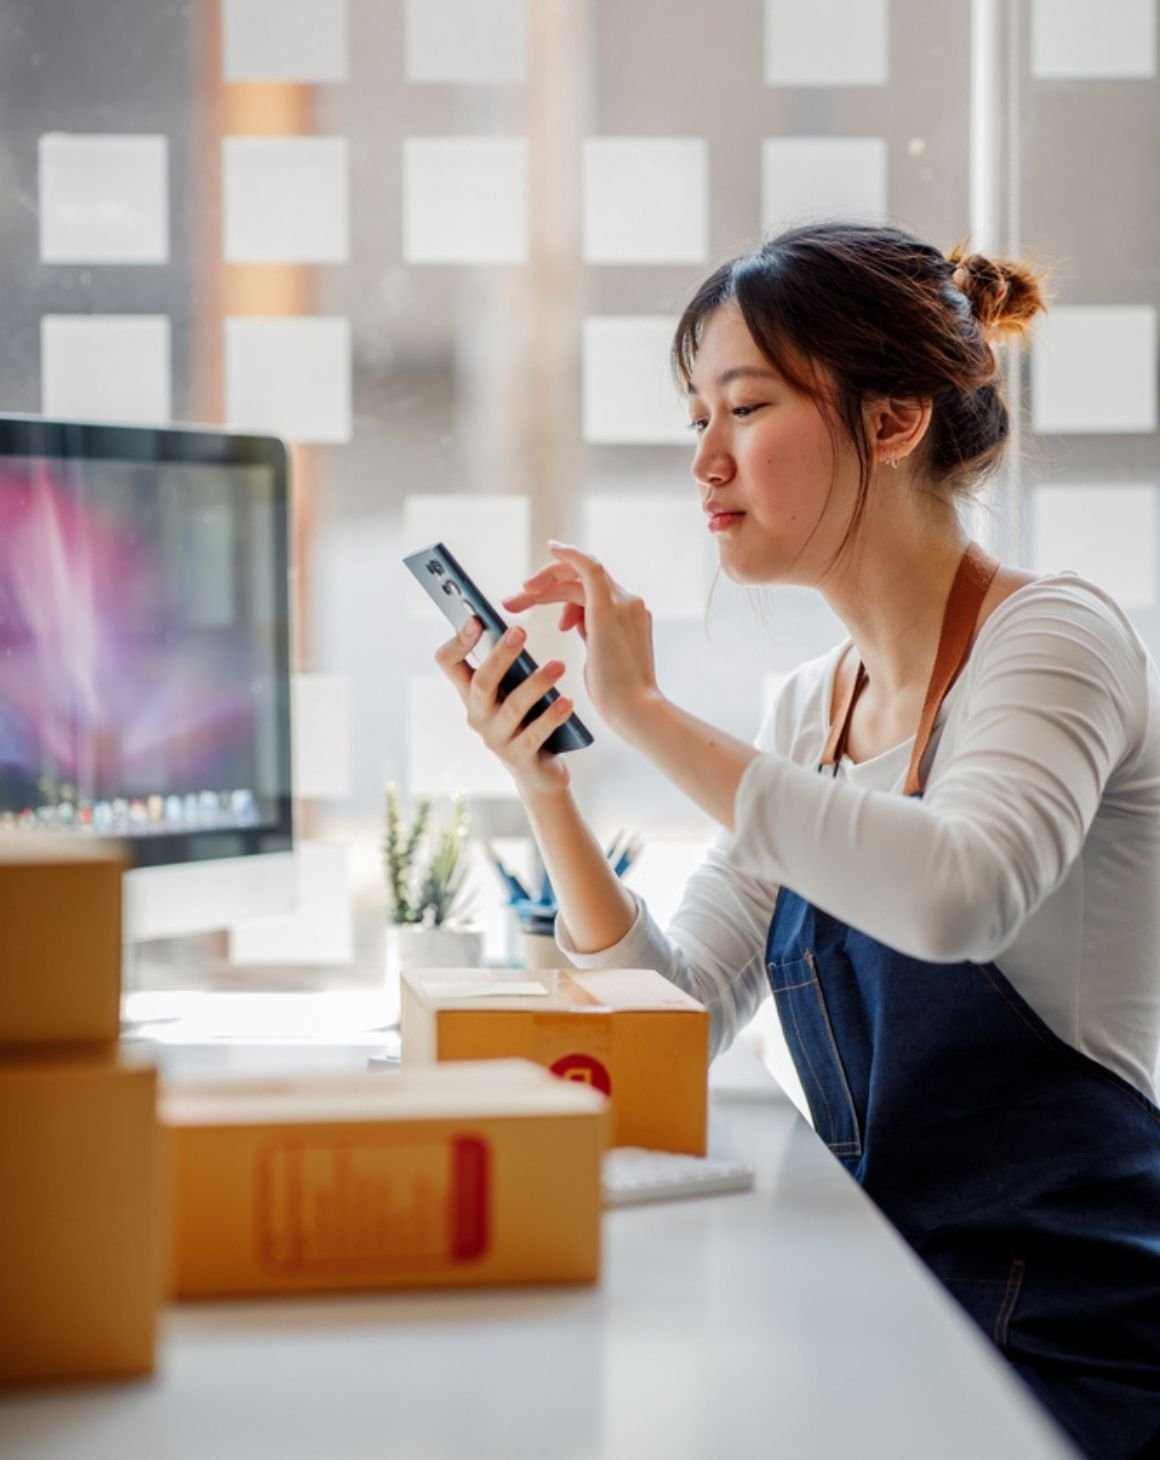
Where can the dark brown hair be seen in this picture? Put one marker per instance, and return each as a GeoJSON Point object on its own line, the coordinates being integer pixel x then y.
{"type": "Point", "coordinates": [848, 312]}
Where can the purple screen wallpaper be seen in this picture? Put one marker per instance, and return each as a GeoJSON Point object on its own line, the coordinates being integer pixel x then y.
{"type": "Point", "coordinates": [136, 671]}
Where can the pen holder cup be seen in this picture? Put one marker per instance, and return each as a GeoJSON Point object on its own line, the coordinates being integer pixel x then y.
{"type": "Point", "coordinates": [540, 951]}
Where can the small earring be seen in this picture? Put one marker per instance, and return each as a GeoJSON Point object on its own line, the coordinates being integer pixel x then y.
{"type": "Point", "coordinates": [892, 461]}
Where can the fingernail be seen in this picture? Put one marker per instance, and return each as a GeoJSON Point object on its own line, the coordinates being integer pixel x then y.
{"type": "Point", "coordinates": [470, 629]}
{"type": "Point", "coordinates": [514, 636]}
{"type": "Point", "coordinates": [555, 669]}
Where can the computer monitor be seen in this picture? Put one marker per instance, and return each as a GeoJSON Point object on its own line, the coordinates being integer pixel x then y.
{"type": "Point", "coordinates": [144, 660]}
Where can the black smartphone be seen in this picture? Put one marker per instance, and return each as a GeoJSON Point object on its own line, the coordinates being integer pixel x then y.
{"type": "Point", "coordinates": [458, 599]}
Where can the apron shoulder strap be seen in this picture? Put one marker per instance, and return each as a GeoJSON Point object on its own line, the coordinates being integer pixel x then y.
{"type": "Point", "coordinates": [976, 572]}
{"type": "Point", "coordinates": [975, 576]}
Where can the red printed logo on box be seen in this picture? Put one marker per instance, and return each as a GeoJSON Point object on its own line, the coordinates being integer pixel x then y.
{"type": "Point", "coordinates": [371, 1204]}
{"type": "Point", "coordinates": [585, 1071]}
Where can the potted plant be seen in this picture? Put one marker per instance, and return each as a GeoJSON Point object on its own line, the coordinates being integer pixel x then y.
{"type": "Point", "coordinates": [427, 904]}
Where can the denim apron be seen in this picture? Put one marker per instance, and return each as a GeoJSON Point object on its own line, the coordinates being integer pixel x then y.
{"type": "Point", "coordinates": [1026, 1175]}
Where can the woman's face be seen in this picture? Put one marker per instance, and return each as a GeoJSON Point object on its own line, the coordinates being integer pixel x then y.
{"type": "Point", "coordinates": [778, 499]}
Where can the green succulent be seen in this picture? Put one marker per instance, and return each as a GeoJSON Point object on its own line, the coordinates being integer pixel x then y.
{"type": "Point", "coordinates": [425, 867]}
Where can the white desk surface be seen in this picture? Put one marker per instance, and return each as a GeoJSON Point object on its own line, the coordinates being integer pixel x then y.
{"type": "Point", "coordinates": [789, 1321]}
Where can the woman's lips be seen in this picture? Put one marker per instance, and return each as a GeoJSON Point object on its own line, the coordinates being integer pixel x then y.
{"type": "Point", "coordinates": [722, 521]}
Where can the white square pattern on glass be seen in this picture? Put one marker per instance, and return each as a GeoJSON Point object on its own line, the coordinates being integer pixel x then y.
{"type": "Point", "coordinates": [646, 200]}
{"type": "Point", "coordinates": [488, 536]}
{"type": "Point", "coordinates": [657, 547]}
{"type": "Point", "coordinates": [444, 755]}
{"type": "Point", "coordinates": [466, 41]}
{"type": "Point", "coordinates": [1093, 369]}
{"type": "Point", "coordinates": [320, 717]}
{"type": "Point", "coordinates": [628, 391]}
{"type": "Point", "coordinates": [106, 367]}
{"type": "Point", "coordinates": [286, 200]}
{"type": "Point", "coordinates": [320, 929]}
{"type": "Point", "coordinates": [826, 42]}
{"type": "Point", "coordinates": [465, 200]}
{"type": "Point", "coordinates": [104, 199]}
{"type": "Point", "coordinates": [289, 375]}
{"type": "Point", "coordinates": [1089, 39]}
{"type": "Point", "coordinates": [806, 178]}
{"type": "Point", "coordinates": [662, 869]}
{"type": "Point", "coordinates": [284, 40]}
{"type": "Point", "coordinates": [1104, 533]}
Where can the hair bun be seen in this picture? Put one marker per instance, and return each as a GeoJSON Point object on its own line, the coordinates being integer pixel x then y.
{"type": "Point", "coordinates": [1005, 295]}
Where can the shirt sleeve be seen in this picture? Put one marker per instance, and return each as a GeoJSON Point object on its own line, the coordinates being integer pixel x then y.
{"type": "Point", "coordinates": [714, 948]}
{"type": "Point", "coordinates": [1053, 699]}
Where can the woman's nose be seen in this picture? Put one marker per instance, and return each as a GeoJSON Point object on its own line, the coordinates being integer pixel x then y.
{"type": "Point", "coordinates": [711, 465]}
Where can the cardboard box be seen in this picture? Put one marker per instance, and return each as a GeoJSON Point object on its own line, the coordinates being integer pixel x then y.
{"type": "Point", "coordinates": [426, 1178]}
{"type": "Point", "coordinates": [80, 1218]}
{"type": "Point", "coordinates": [60, 911]}
{"type": "Point", "coordinates": [627, 1031]}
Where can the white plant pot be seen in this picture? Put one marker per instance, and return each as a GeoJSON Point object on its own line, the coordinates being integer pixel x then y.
{"type": "Point", "coordinates": [411, 946]}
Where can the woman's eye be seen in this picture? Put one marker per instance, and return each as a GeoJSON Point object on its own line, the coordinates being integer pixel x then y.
{"type": "Point", "coordinates": [747, 410]}
{"type": "Point", "coordinates": [697, 426]}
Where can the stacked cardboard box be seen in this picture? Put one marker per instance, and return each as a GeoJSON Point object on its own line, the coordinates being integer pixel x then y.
{"type": "Point", "coordinates": [627, 1032]}
{"type": "Point", "coordinates": [80, 1220]}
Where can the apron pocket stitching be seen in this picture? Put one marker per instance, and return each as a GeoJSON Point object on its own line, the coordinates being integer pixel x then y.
{"type": "Point", "coordinates": [1010, 1298]}
{"type": "Point", "coordinates": [838, 1065]}
{"type": "Point", "coordinates": [802, 1044]}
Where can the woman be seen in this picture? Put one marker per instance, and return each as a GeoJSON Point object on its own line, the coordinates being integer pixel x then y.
{"type": "Point", "coordinates": [965, 939]}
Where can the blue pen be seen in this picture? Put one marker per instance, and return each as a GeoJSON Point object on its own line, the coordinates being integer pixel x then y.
{"type": "Point", "coordinates": [517, 892]}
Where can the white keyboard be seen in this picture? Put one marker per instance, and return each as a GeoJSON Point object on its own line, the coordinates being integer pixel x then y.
{"type": "Point", "coordinates": [633, 1174]}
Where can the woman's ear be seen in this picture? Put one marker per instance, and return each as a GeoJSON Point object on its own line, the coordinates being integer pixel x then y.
{"type": "Point", "coordinates": [897, 425]}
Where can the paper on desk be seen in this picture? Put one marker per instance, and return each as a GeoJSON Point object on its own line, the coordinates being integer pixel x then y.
{"type": "Point", "coordinates": [473, 989]}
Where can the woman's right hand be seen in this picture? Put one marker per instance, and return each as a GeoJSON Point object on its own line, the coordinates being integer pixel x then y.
{"type": "Point", "coordinates": [497, 721]}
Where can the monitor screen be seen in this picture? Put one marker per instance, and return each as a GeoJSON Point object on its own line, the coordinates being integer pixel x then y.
{"type": "Point", "coordinates": [144, 638]}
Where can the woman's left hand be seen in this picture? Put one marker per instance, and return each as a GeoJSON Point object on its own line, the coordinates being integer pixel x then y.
{"type": "Point", "coordinates": [619, 671]}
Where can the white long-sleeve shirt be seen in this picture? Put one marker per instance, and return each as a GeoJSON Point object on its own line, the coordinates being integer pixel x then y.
{"type": "Point", "coordinates": [1036, 844]}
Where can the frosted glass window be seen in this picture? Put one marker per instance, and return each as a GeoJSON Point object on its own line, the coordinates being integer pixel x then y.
{"type": "Point", "coordinates": [104, 199]}
{"type": "Point", "coordinates": [445, 756]}
{"type": "Point", "coordinates": [657, 547]}
{"type": "Point", "coordinates": [488, 535]}
{"type": "Point", "coordinates": [465, 200]}
{"type": "Point", "coordinates": [289, 375]}
{"type": "Point", "coordinates": [286, 199]}
{"type": "Point", "coordinates": [1093, 369]}
{"type": "Point", "coordinates": [284, 40]}
{"type": "Point", "coordinates": [822, 177]}
{"type": "Point", "coordinates": [1104, 533]}
{"type": "Point", "coordinates": [466, 41]}
{"type": "Point", "coordinates": [646, 200]}
{"type": "Point", "coordinates": [320, 929]}
{"type": "Point", "coordinates": [628, 390]}
{"type": "Point", "coordinates": [1093, 38]}
{"type": "Point", "coordinates": [663, 867]}
{"type": "Point", "coordinates": [826, 42]}
{"type": "Point", "coordinates": [105, 367]}
{"type": "Point", "coordinates": [320, 718]}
